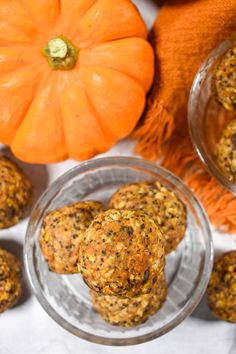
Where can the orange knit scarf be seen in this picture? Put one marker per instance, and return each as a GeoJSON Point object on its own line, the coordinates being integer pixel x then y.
{"type": "Point", "coordinates": [184, 33]}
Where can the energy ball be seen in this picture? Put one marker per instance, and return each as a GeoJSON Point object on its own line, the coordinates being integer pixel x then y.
{"type": "Point", "coordinates": [160, 204]}
{"type": "Point", "coordinates": [224, 81]}
{"type": "Point", "coordinates": [221, 290]}
{"type": "Point", "coordinates": [10, 282]}
{"type": "Point", "coordinates": [61, 234]}
{"type": "Point", "coordinates": [130, 312]}
{"type": "Point", "coordinates": [226, 151]}
{"type": "Point", "coordinates": [15, 193]}
{"type": "Point", "coordinates": [122, 253]}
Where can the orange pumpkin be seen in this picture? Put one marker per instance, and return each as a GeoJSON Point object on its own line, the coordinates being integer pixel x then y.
{"type": "Point", "coordinates": [73, 76]}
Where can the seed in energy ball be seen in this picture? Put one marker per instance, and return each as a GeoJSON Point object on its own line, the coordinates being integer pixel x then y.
{"type": "Point", "coordinates": [226, 150]}
{"type": "Point", "coordinates": [15, 192]}
{"type": "Point", "coordinates": [10, 280]}
{"type": "Point", "coordinates": [130, 312]}
{"type": "Point", "coordinates": [160, 204]}
{"type": "Point", "coordinates": [122, 253]}
{"type": "Point", "coordinates": [221, 289]}
{"type": "Point", "coordinates": [224, 81]}
{"type": "Point", "coordinates": [61, 234]}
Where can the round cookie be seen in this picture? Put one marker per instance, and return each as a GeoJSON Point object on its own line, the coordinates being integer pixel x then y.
{"type": "Point", "coordinates": [224, 81]}
{"type": "Point", "coordinates": [15, 192]}
{"type": "Point", "coordinates": [122, 253]}
{"type": "Point", "coordinates": [226, 150]}
{"type": "Point", "coordinates": [221, 290]}
{"type": "Point", "coordinates": [61, 233]}
{"type": "Point", "coordinates": [160, 204]}
{"type": "Point", "coordinates": [129, 312]}
{"type": "Point", "coordinates": [10, 283]}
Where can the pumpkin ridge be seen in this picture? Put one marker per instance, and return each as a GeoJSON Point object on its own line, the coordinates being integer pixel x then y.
{"type": "Point", "coordinates": [105, 129]}
{"type": "Point", "coordinates": [9, 139]}
{"type": "Point", "coordinates": [71, 34]}
{"type": "Point", "coordinates": [140, 87]}
{"type": "Point", "coordinates": [115, 56]}
{"type": "Point", "coordinates": [35, 71]}
{"type": "Point", "coordinates": [88, 34]}
{"type": "Point", "coordinates": [22, 63]}
{"type": "Point", "coordinates": [101, 124]}
{"type": "Point", "coordinates": [59, 110]}
{"type": "Point", "coordinates": [36, 18]}
{"type": "Point", "coordinates": [60, 154]}
{"type": "Point", "coordinates": [9, 18]}
{"type": "Point", "coordinates": [20, 121]}
{"type": "Point", "coordinates": [118, 71]}
{"type": "Point", "coordinates": [95, 143]}
{"type": "Point", "coordinates": [15, 64]}
{"type": "Point", "coordinates": [10, 69]}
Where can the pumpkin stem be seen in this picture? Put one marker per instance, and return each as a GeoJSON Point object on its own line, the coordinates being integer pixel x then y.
{"type": "Point", "coordinates": [61, 54]}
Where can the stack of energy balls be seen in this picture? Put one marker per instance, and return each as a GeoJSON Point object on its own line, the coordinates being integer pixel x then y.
{"type": "Point", "coordinates": [224, 87]}
{"type": "Point", "coordinates": [15, 194]}
{"type": "Point", "coordinates": [120, 250]}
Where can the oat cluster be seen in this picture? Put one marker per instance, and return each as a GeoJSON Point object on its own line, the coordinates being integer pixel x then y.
{"type": "Point", "coordinates": [226, 150]}
{"type": "Point", "coordinates": [61, 233]}
{"type": "Point", "coordinates": [224, 82]}
{"type": "Point", "coordinates": [15, 193]}
{"type": "Point", "coordinates": [160, 204]}
{"type": "Point", "coordinates": [10, 280]}
{"type": "Point", "coordinates": [222, 287]}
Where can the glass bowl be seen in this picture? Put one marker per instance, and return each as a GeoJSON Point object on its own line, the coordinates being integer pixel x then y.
{"type": "Point", "coordinates": [66, 297]}
{"type": "Point", "coordinates": [207, 118]}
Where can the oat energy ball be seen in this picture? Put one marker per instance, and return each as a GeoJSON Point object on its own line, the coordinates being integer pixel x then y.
{"type": "Point", "coordinates": [130, 312]}
{"type": "Point", "coordinates": [61, 234]}
{"type": "Point", "coordinates": [122, 253]}
{"type": "Point", "coordinates": [221, 290]}
{"type": "Point", "coordinates": [224, 81]}
{"type": "Point", "coordinates": [10, 282]}
{"type": "Point", "coordinates": [226, 150]}
{"type": "Point", "coordinates": [15, 192]}
{"type": "Point", "coordinates": [160, 204]}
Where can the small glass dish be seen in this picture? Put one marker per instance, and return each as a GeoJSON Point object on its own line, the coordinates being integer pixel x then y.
{"type": "Point", "coordinates": [66, 297]}
{"type": "Point", "coordinates": [207, 118]}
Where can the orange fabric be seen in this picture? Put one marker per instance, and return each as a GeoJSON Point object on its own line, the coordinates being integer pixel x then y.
{"type": "Point", "coordinates": [184, 33]}
{"type": "Point", "coordinates": [219, 204]}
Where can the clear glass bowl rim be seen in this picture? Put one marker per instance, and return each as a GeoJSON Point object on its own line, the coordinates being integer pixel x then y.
{"type": "Point", "coordinates": [52, 190]}
{"type": "Point", "coordinates": [194, 133]}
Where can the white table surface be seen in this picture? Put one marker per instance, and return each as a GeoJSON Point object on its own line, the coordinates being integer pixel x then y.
{"type": "Point", "coordinates": [27, 329]}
